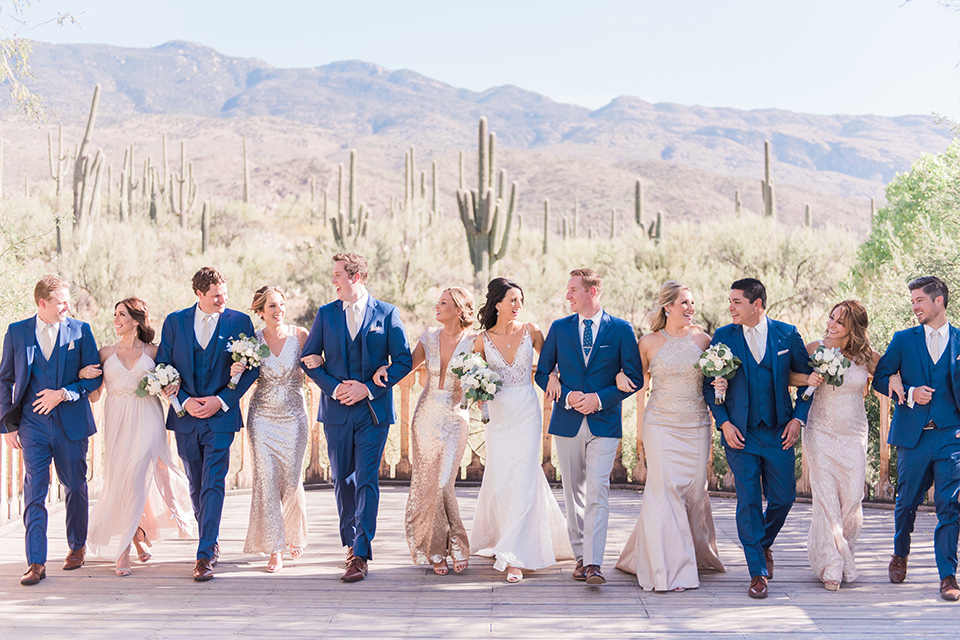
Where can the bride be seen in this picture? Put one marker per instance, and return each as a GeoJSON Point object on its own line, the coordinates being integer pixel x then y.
{"type": "Point", "coordinates": [144, 492]}
{"type": "Point", "coordinates": [518, 521]}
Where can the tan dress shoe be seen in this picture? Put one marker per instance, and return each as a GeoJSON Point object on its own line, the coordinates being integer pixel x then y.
{"type": "Point", "coordinates": [897, 569]}
{"type": "Point", "coordinates": [346, 563]}
{"type": "Point", "coordinates": [593, 575]}
{"type": "Point", "coordinates": [74, 559]}
{"type": "Point", "coordinates": [356, 570]}
{"type": "Point", "coordinates": [203, 571]}
{"type": "Point", "coordinates": [758, 587]}
{"type": "Point", "coordinates": [949, 589]}
{"type": "Point", "coordinates": [34, 574]}
{"type": "Point", "coordinates": [580, 573]}
{"type": "Point", "coordinates": [768, 556]}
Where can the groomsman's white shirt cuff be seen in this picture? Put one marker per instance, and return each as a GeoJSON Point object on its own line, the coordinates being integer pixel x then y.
{"type": "Point", "coordinates": [70, 396]}
{"type": "Point", "coordinates": [910, 402]}
{"type": "Point", "coordinates": [223, 404]}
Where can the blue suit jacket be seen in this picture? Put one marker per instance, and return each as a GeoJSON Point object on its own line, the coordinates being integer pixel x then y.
{"type": "Point", "coordinates": [383, 341]}
{"type": "Point", "coordinates": [614, 349]}
{"type": "Point", "coordinates": [76, 349]}
{"type": "Point", "coordinates": [786, 347]}
{"type": "Point", "coordinates": [176, 348]}
{"type": "Point", "coordinates": [907, 354]}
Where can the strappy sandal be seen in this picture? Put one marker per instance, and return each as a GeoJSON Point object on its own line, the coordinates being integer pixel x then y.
{"type": "Point", "coordinates": [441, 568]}
{"type": "Point", "coordinates": [459, 566]}
{"type": "Point", "coordinates": [139, 540]}
{"type": "Point", "coordinates": [275, 563]}
{"type": "Point", "coordinates": [295, 552]}
{"type": "Point", "coordinates": [514, 578]}
{"type": "Point", "coordinates": [123, 571]}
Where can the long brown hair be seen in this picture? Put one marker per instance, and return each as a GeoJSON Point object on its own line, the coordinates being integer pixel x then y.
{"type": "Point", "coordinates": [853, 316]}
{"type": "Point", "coordinates": [138, 310]}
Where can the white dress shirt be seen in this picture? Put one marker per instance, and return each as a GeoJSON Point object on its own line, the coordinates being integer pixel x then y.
{"type": "Point", "coordinates": [586, 357]}
{"type": "Point", "coordinates": [198, 317]}
{"type": "Point", "coordinates": [41, 330]}
{"type": "Point", "coordinates": [944, 335]}
{"type": "Point", "coordinates": [360, 309]}
{"type": "Point", "coordinates": [761, 332]}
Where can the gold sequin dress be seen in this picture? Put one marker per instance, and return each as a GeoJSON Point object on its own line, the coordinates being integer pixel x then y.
{"type": "Point", "coordinates": [674, 535]}
{"type": "Point", "coordinates": [277, 426]}
{"type": "Point", "coordinates": [439, 437]}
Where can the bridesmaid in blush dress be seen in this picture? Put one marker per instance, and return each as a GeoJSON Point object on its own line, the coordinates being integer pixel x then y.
{"type": "Point", "coordinates": [674, 536]}
{"type": "Point", "coordinates": [277, 426]}
{"type": "Point", "coordinates": [835, 447]}
{"type": "Point", "coordinates": [439, 437]}
{"type": "Point", "coordinates": [145, 495]}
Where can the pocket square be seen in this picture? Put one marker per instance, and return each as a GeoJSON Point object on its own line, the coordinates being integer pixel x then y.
{"type": "Point", "coordinates": [70, 347]}
{"type": "Point", "coordinates": [780, 353]}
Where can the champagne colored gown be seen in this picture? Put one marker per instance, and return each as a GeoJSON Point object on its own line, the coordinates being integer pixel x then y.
{"type": "Point", "coordinates": [439, 437]}
{"type": "Point", "coordinates": [674, 535]}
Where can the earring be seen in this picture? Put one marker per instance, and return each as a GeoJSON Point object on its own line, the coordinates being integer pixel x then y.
{"type": "Point", "coordinates": [666, 312]}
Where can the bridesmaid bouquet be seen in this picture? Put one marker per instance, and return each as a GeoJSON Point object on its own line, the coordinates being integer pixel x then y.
{"type": "Point", "coordinates": [478, 381]}
{"type": "Point", "coordinates": [249, 351]}
{"type": "Point", "coordinates": [718, 362]}
{"type": "Point", "coordinates": [829, 363]}
{"type": "Point", "coordinates": [153, 383]}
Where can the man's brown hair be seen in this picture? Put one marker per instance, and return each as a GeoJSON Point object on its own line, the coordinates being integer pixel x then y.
{"type": "Point", "coordinates": [353, 263]}
{"type": "Point", "coordinates": [206, 278]}
{"type": "Point", "coordinates": [47, 285]}
{"type": "Point", "coordinates": [590, 278]}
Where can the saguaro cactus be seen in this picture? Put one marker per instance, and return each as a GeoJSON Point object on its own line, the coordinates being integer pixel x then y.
{"type": "Point", "coordinates": [546, 225]}
{"type": "Point", "coordinates": [737, 204]}
{"type": "Point", "coordinates": [187, 188]}
{"type": "Point", "coordinates": [766, 185]}
{"type": "Point", "coordinates": [83, 165]}
{"type": "Point", "coordinates": [808, 216]}
{"type": "Point", "coordinates": [246, 173]}
{"type": "Point", "coordinates": [638, 203]}
{"type": "Point", "coordinates": [351, 223]}
{"type": "Point", "coordinates": [482, 211]}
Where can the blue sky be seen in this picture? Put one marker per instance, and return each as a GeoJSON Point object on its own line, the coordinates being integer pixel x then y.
{"type": "Point", "coordinates": [821, 56]}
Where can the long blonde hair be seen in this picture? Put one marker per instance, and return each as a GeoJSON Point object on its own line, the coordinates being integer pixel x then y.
{"type": "Point", "coordinates": [669, 292]}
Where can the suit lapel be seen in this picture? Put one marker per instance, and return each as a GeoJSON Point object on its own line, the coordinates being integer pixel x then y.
{"type": "Point", "coordinates": [574, 329]}
{"type": "Point", "coordinates": [187, 317]}
{"type": "Point", "coordinates": [340, 327]}
{"type": "Point", "coordinates": [923, 352]}
{"type": "Point", "coordinates": [28, 333]}
{"type": "Point", "coordinates": [64, 339]}
{"type": "Point", "coordinates": [739, 345]}
{"type": "Point", "coordinates": [773, 347]}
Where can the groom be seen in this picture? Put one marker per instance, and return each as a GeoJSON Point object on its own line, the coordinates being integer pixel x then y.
{"type": "Point", "coordinates": [356, 335]}
{"type": "Point", "coordinates": [588, 349]}
{"type": "Point", "coordinates": [46, 414]}
{"type": "Point", "coordinates": [759, 423]}
{"type": "Point", "coordinates": [194, 340]}
{"type": "Point", "coordinates": [926, 430]}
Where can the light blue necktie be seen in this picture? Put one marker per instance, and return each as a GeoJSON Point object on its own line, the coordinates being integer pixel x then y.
{"type": "Point", "coordinates": [587, 337]}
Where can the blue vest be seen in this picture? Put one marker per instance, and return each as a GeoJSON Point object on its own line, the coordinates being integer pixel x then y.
{"type": "Point", "coordinates": [760, 390]}
{"type": "Point", "coordinates": [943, 409]}
{"type": "Point", "coordinates": [43, 375]}
{"type": "Point", "coordinates": [203, 360]}
{"type": "Point", "coordinates": [354, 358]}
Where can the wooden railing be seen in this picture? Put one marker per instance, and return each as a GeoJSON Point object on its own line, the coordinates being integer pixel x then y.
{"type": "Point", "coordinates": [396, 463]}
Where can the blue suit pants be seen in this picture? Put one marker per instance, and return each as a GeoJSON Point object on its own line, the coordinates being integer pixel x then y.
{"type": "Point", "coordinates": [206, 459]}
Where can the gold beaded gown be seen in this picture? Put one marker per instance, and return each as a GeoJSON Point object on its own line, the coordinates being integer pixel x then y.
{"type": "Point", "coordinates": [439, 436]}
{"type": "Point", "coordinates": [277, 426]}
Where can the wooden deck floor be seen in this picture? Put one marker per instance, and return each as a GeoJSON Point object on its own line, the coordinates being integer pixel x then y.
{"type": "Point", "coordinates": [399, 600]}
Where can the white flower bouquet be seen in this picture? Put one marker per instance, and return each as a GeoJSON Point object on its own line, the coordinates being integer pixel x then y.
{"type": "Point", "coordinates": [249, 351]}
{"type": "Point", "coordinates": [477, 380]}
{"type": "Point", "coordinates": [153, 383]}
{"type": "Point", "coordinates": [829, 363]}
{"type": "Point", "coordinates": [717, 362]}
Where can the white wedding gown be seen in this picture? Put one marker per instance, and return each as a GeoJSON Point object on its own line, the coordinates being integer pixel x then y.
{"type": "Point", "coordinates": [142, 486]}
{"type": "Point", "coordinates": [518, 521]}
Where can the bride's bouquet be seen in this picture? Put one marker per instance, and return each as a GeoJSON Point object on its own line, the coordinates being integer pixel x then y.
{"type": "Point", "coordinates": [717, 362]}
{"type": "Point", "coordinates": [249, 351]}
{"type": "Point", "coordinates": [477, 380]}
{"type": "Point", "coordinates": [829, 363]}
{"type": "Point", "coordinates": [154, 382]}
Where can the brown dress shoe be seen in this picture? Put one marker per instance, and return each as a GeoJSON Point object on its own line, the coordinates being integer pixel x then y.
{"type": "Point", "coordinates": [203, 571]}
{"type": "Point", "coordinates": [346, 563]}
{"type": "Point", "coordinates": [580, 573]}
{"type": "Point", "coordinates": [949, 589]}
{"type": "Point", "coordinates": [74, 559]}
{"type": "Point", "coordinates": [897, 569]}
{"type": "Point", "coordinates": [34, 574]}
{"type": "Point", "coordinates": [593, 574]}
{"type": "Point", "coordinates": [768, 556]}
{"type": "Point", "coordinates": [356, 570]}
{"type": "Point", "coordinates": [758, 587]}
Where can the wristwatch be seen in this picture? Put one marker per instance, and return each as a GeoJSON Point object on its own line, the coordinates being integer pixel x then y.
{"type": "Point", "coordinates": [64, 396]}
{"type": "Point", "coordinates": [803, 423]}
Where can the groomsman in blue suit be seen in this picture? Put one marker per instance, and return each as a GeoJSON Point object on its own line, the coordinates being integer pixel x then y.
{"type": "Point", "coordinates": [46, 414]}
{"type": "Point", "coordinates": [926, 430]}
{"type": "Point", "coordinates": [356, 335]}
{"type": "Point", "coordinates": [759, 423]}
{"type": "Point", "coordinates": [584, 353]}
{"type": "Point", "coordinates": [194, 341]}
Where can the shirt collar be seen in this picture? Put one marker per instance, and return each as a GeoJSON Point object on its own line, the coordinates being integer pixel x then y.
{"type": "Point", "coordinates": [41, 325]}
{"type": "Point", "coordinates": [361, 303]}
{"type": "Point", "coordinates": [596, 319]}
{"type": "Point", "coordinates": [200, 315]}
{"type": "Point", "coordinates": [944, 331]}
{"type": "Point", "coordinates": [761, 328]}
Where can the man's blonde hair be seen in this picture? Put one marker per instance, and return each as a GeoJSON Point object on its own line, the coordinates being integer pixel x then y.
{"type": "Point", "coordinates": [47, 285]}
{"type": "Point", "coordinates": [353, 263]}
{"type": "Point", "coordinates": [590, 278]}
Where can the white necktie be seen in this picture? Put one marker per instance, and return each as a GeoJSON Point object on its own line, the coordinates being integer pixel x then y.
{"type": "Point", "coordinates": [352, 319]}
{"type": "Point", "coordinates": [207, 331]}
{"type": "Point", "coordinates": [935, 346]}
{"type": "Point", "coordinates": [753, 340]}
{"type": "Point", "coordinates": [48, 340]}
